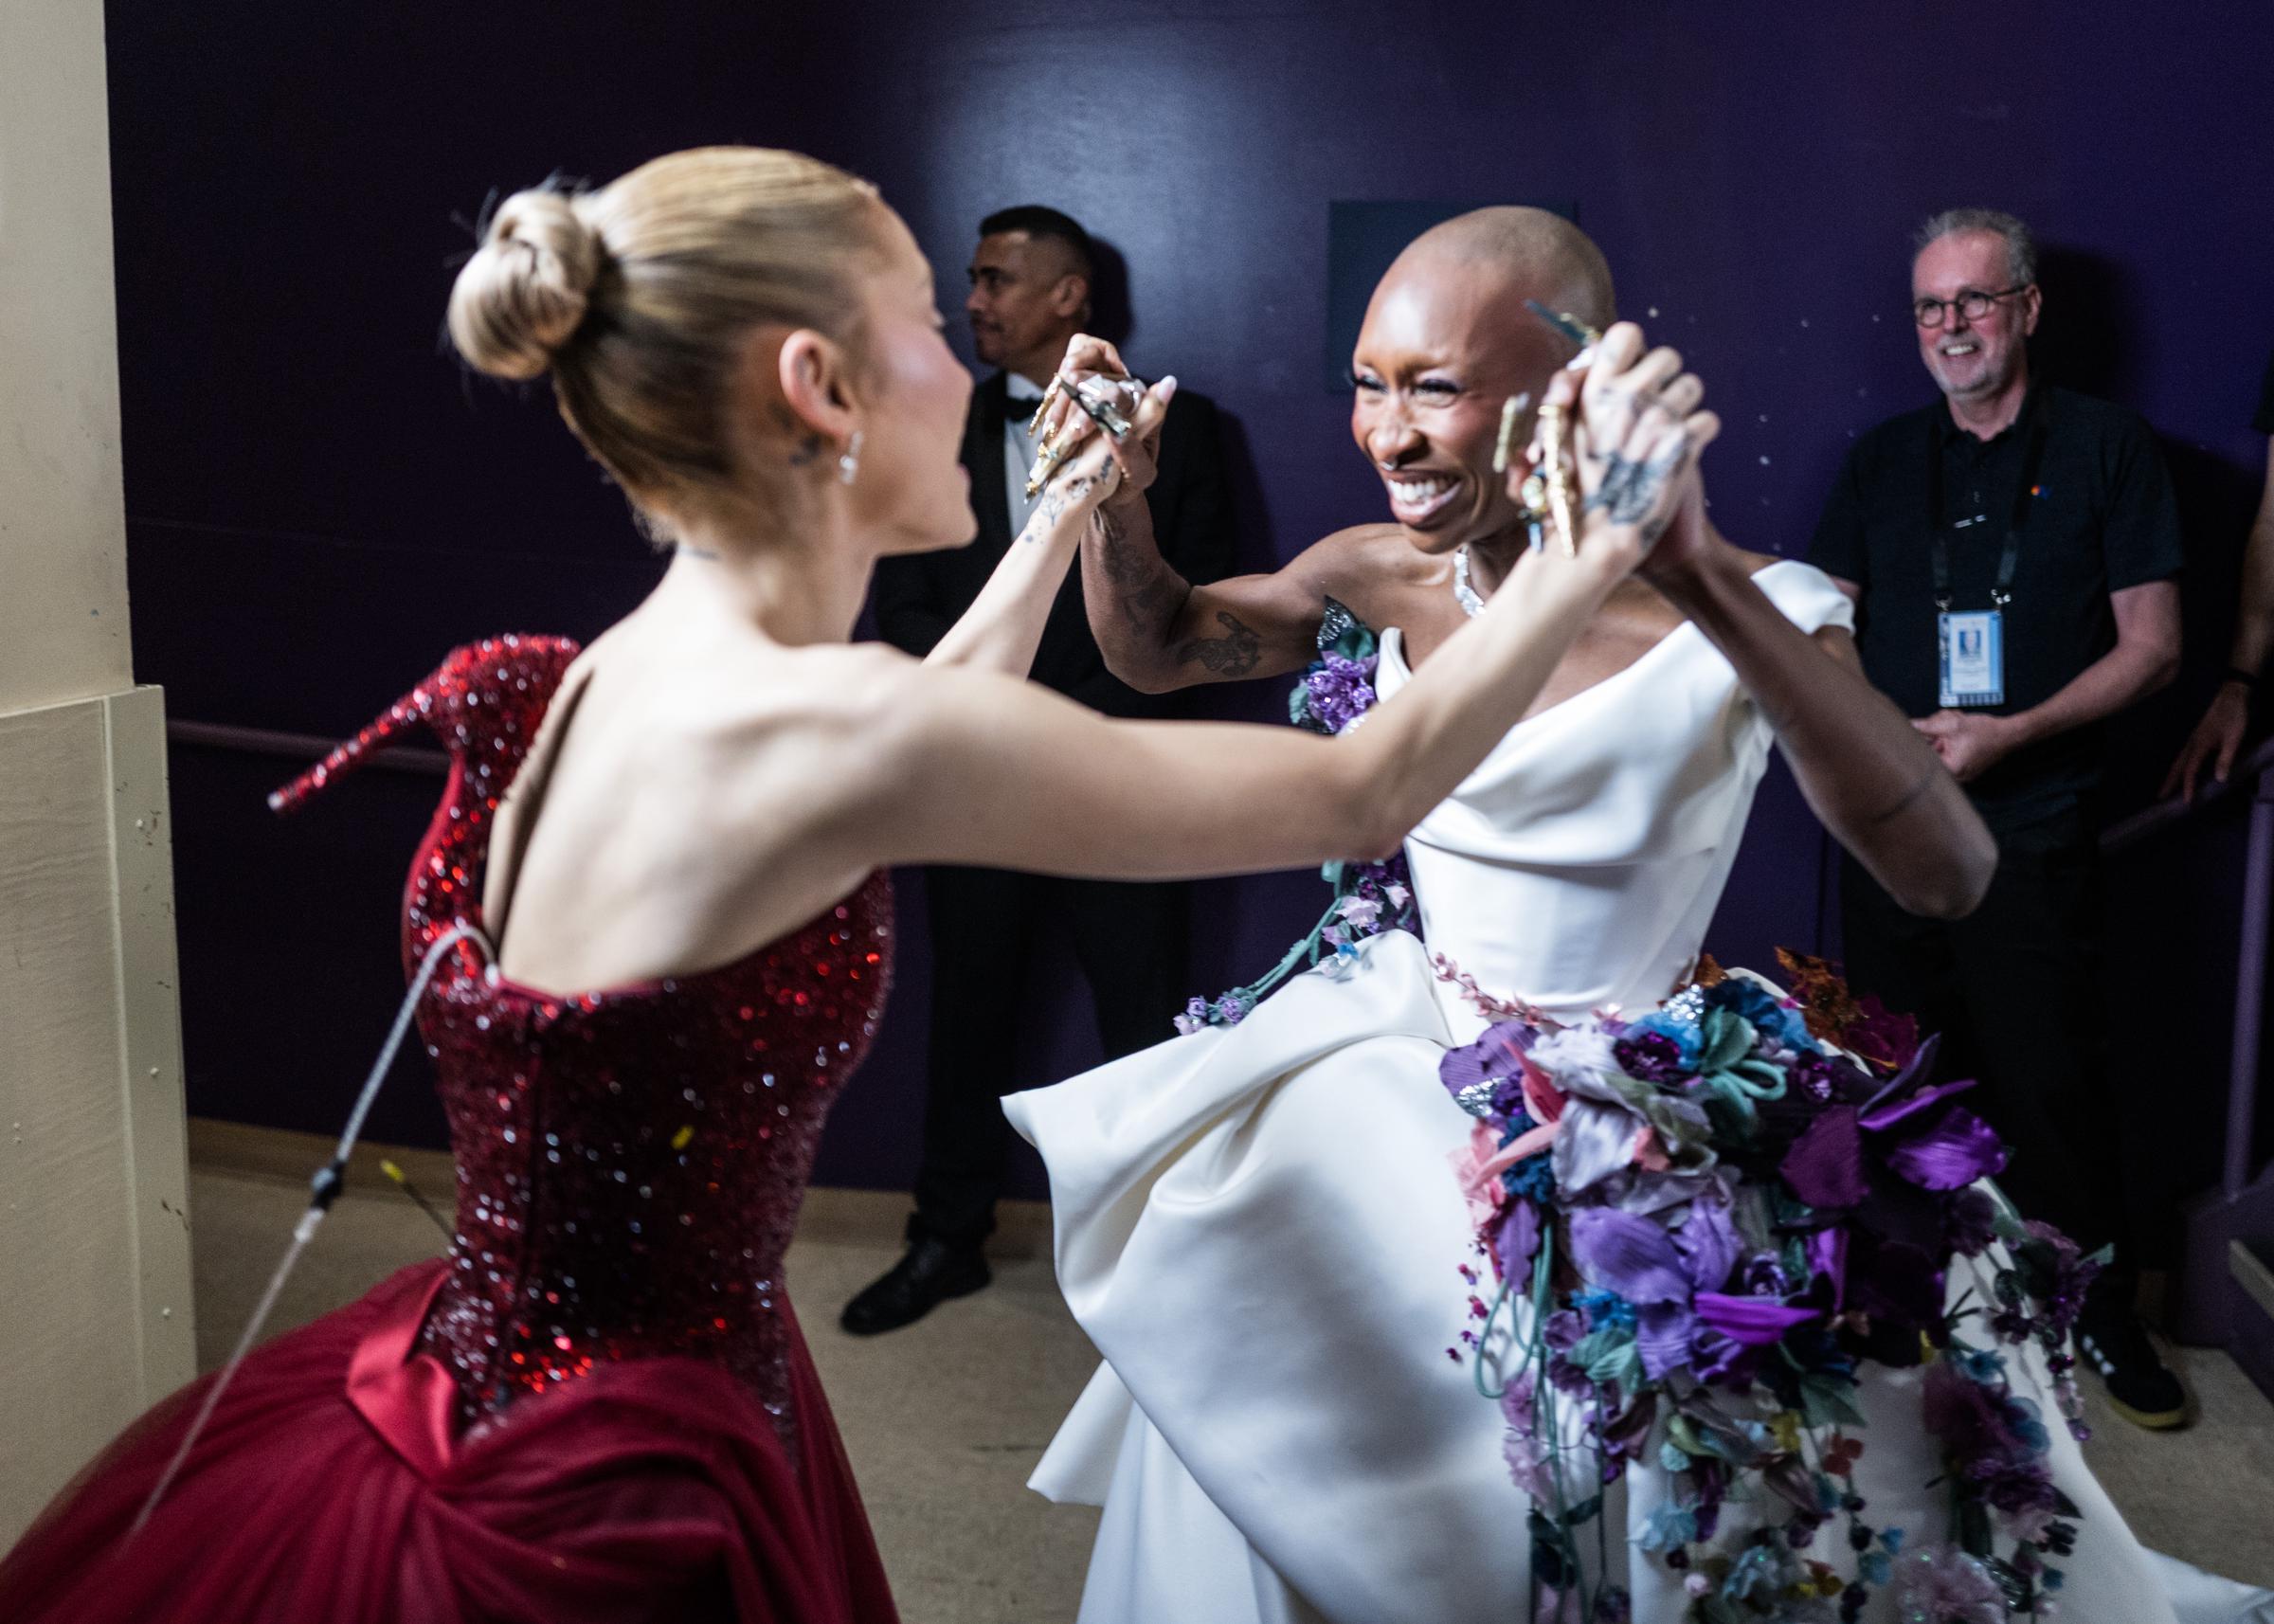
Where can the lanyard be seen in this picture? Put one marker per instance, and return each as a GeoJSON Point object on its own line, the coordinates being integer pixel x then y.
{"type": "Point", "coordinates": [2002, 593]}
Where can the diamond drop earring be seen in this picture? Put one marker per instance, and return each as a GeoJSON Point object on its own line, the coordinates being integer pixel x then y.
{"type": "Point", "coordinates": [848, 465]}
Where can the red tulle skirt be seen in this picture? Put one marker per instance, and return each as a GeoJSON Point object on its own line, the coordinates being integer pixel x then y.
{"type": "Point", "coordinates": [334, 1487]}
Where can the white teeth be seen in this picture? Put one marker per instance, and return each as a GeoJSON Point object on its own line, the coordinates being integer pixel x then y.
{"type": "Point", "coordinates": [1417, 493]}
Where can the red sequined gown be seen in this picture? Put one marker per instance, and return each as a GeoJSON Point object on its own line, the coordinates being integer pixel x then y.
{"type": "Point", "coordinates": [597, 1405]}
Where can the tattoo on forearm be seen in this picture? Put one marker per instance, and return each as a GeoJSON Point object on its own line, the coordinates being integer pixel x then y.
{"type": "Point", "coordinates": [1235, 654]}
{"type": "Point", "coordinates": [1148, 591]}
{"type": "Point", "coordinates": [1058, 497]}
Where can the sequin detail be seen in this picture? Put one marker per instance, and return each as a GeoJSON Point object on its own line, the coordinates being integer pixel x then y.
{"type": "Point", "coordinates": [630, 1161]}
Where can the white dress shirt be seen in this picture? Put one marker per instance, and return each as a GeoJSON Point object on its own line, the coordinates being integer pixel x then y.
{"type": "Point", "coordinates": [1019, 451]}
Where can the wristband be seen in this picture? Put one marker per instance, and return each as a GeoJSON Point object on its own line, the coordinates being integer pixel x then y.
{"type": "Point", "coordinates": [2236, 674]}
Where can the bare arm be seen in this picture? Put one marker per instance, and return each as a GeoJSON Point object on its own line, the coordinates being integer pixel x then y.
{"type": "Point", "coordinates": [1866, 771]}
{"type": "Point", "coordinates": [2218, 737]}
{"type": "Point", "coordinates": [1030, 782]}
{"type": "Point", "coordinates": [1158, 631]}
{"type": "Point", "coordinates": [2146, 656]}
{"type": "Point", "coordinates": [1001, 775]}
{"type": "Point", "coordinates": [1004, 626]}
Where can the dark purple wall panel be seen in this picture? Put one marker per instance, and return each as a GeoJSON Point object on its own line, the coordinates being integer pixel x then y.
{"type": "Point", "coordinates": [318, 504]}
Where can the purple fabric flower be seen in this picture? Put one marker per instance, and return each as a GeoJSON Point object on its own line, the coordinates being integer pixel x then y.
{"type": "Point", "coordinates": [1828, 1257]}
{"type": "Point", "coordinates": [2059, 1274]}
{"type": "Point", "coordinates": [1342, 690]}
{"type": "Point", "coordinates": [1755, 1322]}
{"type": "Point", "coordinates": [1900, 1286]}
{"type": "Point", "coordinates": [1630, 1255]}
{"type": "Point", "coordinates": [1970, 1222]}
{"type": "Point", "coordinates": [1518, 1240]}
{"type": "Point", "coordinates": [1650, 1057]}
{"type": "Point", "coordinates": [1495, 1056]}
{"type": "Point", "coordinates": [1943, 1583]}
{"type": "Point", "coordinates": [1828, 1077]}
{"type": "Point", "coordinates": [1563, 1331]}
{"type": "Point", "coordinates": [1903, 1092]}
{"type": "Point", "coordinates": [1951, 1152]}
{"type": "Point", "coordinates": [1668, 1279]}
{"type": "Point", "coordinates": [1995, 1443]}
{"type": "Point", "coordinates": [1709, 1244]}
{"type": "Point", "coordinates": [1764, 1276]}
{"type": "Point", "coordinates": [1824, 1167]}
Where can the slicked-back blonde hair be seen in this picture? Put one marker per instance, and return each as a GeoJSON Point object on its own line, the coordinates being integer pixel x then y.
{"type": "Point", "coordinates": [637, 299]}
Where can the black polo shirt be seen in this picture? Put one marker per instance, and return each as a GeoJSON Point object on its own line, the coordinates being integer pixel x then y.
{"type": "Point", "coordinates": [2101, 519]}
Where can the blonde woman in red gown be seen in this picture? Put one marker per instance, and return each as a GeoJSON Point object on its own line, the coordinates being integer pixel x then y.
{"type": "Point", "coordinates": [668, 852]}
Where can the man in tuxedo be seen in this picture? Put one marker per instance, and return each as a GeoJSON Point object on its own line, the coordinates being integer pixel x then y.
{"type": "Point", "coordinates": [1031, 281]}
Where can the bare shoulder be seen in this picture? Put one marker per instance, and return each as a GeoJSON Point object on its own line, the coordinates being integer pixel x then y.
{"type": "Point", "coordinates": [1365, 566]}
{"type": "Point", "coordinates": [1356, 549]}
{"type": "Point", "coordinates": [785, 728]}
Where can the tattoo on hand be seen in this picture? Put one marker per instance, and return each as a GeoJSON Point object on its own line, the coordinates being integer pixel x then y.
{"type": "Point", "coordinates": [1630, 489]}
{"type": "Point", "coordinates": [1235, 654]}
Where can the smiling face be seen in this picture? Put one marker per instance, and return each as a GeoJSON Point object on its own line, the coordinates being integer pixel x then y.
{"type": "Point", "coordinates": [1447, 339]}
{"type": "Point", "coordinates": [1974, 359]}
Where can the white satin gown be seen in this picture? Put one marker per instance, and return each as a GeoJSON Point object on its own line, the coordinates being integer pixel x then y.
{"type": "Point", "coordinates": [1258, 1227]}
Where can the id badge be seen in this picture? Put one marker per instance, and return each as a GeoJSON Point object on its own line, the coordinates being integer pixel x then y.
{"type": "Point", "coordinates": [1974, 658]}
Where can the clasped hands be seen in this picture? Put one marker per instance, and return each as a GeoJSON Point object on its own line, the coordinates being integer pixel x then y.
{"type": "Point", "coordinates": [1099, 427]}
{"type": "Point", "coordinates": [1612, 463]}
{"type": "Point", "coordinates": [1619, 432]}
{"type": "Point", "coordinates": [1970, 743]}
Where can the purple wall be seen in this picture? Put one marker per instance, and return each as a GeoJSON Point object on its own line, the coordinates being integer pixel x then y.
{"type": "Point", "coordinates": [318, 504]}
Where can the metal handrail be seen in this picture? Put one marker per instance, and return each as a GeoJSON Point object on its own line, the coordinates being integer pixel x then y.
{"type": "Point", "coordinates": [2163, 814]}
{"type": "Point", "coordinates": [298, 747]}
{"type": "Point", "coordinates": [2252, 776]}
{"type": "Point", "coordinates": [2258, 894]}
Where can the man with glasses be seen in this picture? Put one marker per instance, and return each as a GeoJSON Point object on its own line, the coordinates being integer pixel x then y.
{"type": "Point", "coordinates": [2012, 550]}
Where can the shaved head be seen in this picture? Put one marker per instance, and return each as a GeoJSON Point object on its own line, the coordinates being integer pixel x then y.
{"type": "Point", "coordinates": [1446, 343]}
{"type": "Point", "coordinates": [1529, 252]}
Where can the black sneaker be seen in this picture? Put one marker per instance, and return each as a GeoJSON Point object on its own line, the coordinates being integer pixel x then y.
{"type": "Point", "coordinates": [2140, 1388]}
{"type": "Point", "coordinates": [927, 1275]}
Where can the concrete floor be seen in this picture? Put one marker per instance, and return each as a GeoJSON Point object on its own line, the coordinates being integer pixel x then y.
{"type": "Point", "coordinates": [945, 1421]}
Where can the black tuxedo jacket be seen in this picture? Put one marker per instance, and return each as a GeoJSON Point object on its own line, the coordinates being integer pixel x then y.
{"type": "Point", "coordinates": [918, 597]}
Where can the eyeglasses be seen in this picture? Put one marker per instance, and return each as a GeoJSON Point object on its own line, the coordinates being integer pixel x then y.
{"type": "Point", "coordinates": [1971, 303]}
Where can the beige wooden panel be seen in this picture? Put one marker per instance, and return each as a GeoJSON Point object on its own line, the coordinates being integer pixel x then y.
{"type": "Point", "coordinates": [155, 1174]}
{"type": "Point", "coordinates": [63, 534]}
{"type": "Point", "coordinates": [70, 1353]}
{"type": "Point", "coordinates": [94, 1256]}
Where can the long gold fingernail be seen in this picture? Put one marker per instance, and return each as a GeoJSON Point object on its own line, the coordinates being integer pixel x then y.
{"type": "Point", "coordinates": [1046, 463]}
{"type": "Point", "coordinates": [1508, 413]}
{"type": "Point", "coordinates": [1034, 422]}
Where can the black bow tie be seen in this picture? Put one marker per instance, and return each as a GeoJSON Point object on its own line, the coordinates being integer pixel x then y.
{"type": "Point", "coordinates": [1021, 406]}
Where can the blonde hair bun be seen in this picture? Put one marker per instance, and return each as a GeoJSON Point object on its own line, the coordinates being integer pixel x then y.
{"type": "Point", "coordinates": [523, 294]}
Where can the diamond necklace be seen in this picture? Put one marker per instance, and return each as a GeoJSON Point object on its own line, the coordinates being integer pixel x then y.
{"type": "Point", "coordinates": [1463, 593]}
